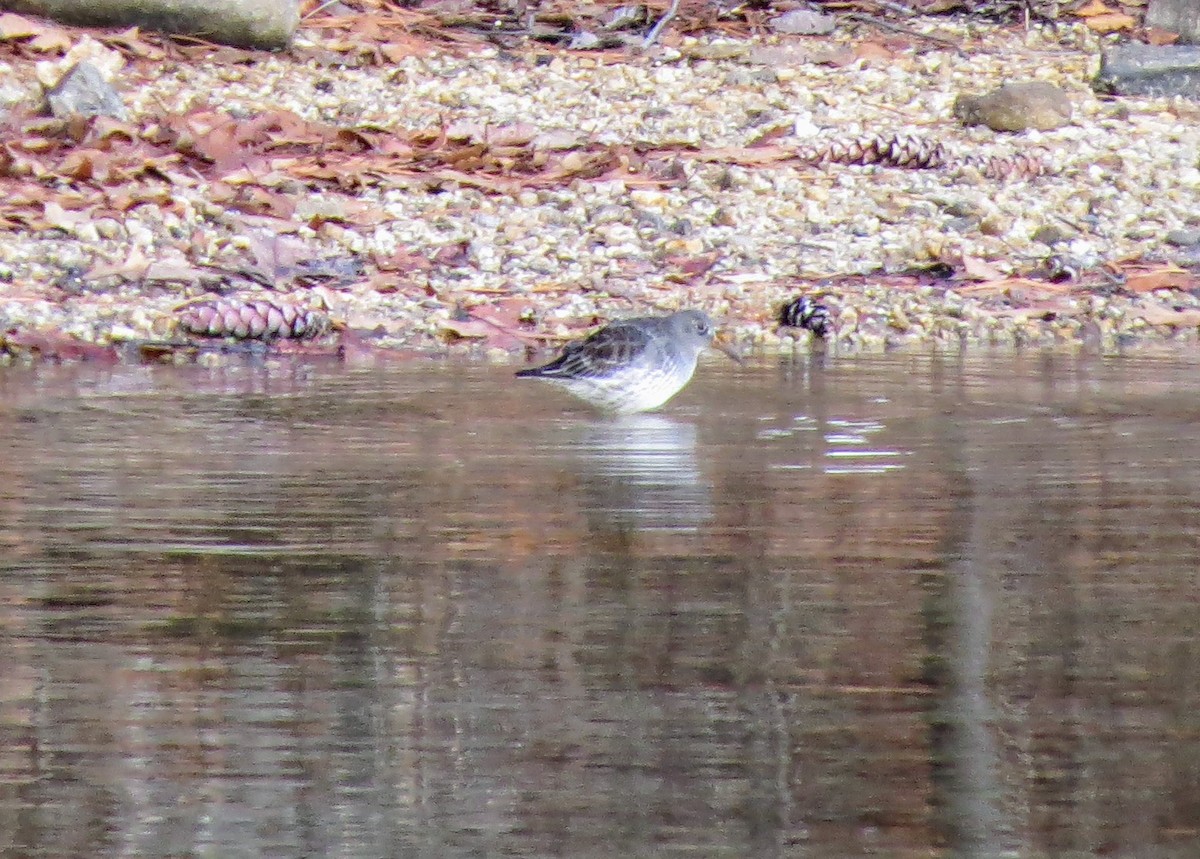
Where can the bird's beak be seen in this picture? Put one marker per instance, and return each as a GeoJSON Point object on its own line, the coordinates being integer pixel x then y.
{"type": "Point", "coordinates": [723, 343]}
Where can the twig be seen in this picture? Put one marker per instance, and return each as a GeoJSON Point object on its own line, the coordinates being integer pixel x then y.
{"type": "Point", "coordinates": [898, 8]}
{"type": "Point", "coordinates": [863, 18]}
{"type": "Point", "coordinates": [320, 9]}
{"type": "Point", "coordinates": [662, 22]}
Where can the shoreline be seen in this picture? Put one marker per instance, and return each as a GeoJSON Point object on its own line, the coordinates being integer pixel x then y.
{"type": "Point", "coordinates": [473, 257]}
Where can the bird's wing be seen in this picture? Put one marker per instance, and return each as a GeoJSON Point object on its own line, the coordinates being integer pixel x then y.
{"type": "Point", "coordinates": [611, 348]}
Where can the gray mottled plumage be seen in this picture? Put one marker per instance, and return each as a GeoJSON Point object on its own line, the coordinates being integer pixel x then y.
{"type": "Point", "coordinates": [631, 365]}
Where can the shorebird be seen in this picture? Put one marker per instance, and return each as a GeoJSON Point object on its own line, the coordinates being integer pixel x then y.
{"type": "Point", "coordinates": [632, 365]}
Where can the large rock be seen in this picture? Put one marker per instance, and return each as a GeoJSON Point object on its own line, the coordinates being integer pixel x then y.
{"type": "Point", "coordinates": [1016, 107]}
{"type": "Point", "coordinates": [1150, 70]}
{"type": "Point", "coordinates": [1178, 16]}
{"type": "Point", "coordinates": [266, 24]}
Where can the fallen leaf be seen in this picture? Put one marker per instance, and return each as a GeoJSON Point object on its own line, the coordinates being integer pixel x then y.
{"type": "Point", "coordinates": [1092, 8]}
{"type": "Point", "coordinates": [1111, 23]}
{"type": "Point", "coordinates": [745, 156]}
{"type": "Point", "coordinates": [403, 261]}
{"type": "Point", "coordinates": [693, 266]}
{"type": "Point", "coordinates": [1000, 286]}
{"type": "Point", "coordinates": [132, 267]}
{"type": "Point", "coordinates": [975, 268]}
{"type": "Point", "coordinates": [175, 272]}
{"type": "Point", "coordinates": [59, 218]}
{"type": "Point", "coordinates": [1158, 37]}
{"type": "Point", "coordinates": [455, 254]}
{"type": "Point", "coordinates": [131, 42]}
{"type": "Point", "coordinates": [1164, 278]}
{"type": "Point", "coordinates": [474, 329]}
{"type": "Point", "coordinates": [773, 133]}
{"type": "Point", "coordinates": [55, 346]}
{"type": "Point", "coordinates": [874, 51]}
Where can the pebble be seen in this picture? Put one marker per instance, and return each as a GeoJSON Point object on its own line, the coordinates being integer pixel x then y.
{"type": "Point", "coordinates": [1183, 238]}
{"type": "Point", "coordinates": [612, 246]}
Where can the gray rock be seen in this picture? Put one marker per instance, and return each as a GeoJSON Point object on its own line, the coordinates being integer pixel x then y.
{"type": "Point", "coordinates": [1016, 107]}
{"type": "Point", "coordinates": [1178, 16]}
{"type": "Point", "coordinates": [625, 17]}
{"type": "Point", "coordinates": [83, 91]}
{"type": "Point", "coordinates": [1184, 238]}
{"type": "Point", "coordinates": [803, 22]}
{"type": "Point", "coordinates": [1150, 70]}
{"type": "Point", "coordinates": [267, 24]}
{"type": "Point", "coordinates": [1049, 234]}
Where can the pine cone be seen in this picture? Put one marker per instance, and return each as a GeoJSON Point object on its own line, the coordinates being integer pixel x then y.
{"type": "Point", "coordinates": [900, 150]}
{"type": "Point", "coordinates": [894, 151]}
{"type": "Point", "coordinates": [1008, 166]}
{"type": "Point", "coordinates": [805, 312]}
{"type": "Point", "coordinates": [252, 320]}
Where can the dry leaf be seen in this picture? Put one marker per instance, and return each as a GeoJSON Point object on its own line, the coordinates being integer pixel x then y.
{"type": "Point", "coordinates": [133, 267]}
{"type": "Point", "coordinates": [60, 219]}
{"type": "Point", "coordinates": [694, 265]}
{"type": "Point", "coordinates": [403, 261]}
{"type": "Point", "coordinates": [1093, 7]}
{"type": "Point", "coordinates": [975, 268]}
{"type": "Point", "coordinates": [874, 51]}
{"type": "Point", "coordinates": [1111, 23]}
{"type": "Point", "coordinates": [1157, 36]}
{"type": "Point", "coordinates": [1163, 278]}
{"type": "Point", "coordinates": [466, 328]}
{"type": "Point", "coordinates": [132, 42]}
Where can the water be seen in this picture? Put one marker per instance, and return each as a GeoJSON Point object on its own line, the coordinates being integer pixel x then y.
{"type": "Point", "coordinates": [904, 606]}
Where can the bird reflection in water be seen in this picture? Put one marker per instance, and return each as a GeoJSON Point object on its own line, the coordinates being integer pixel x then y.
{"type": "Point", "coordinates": [640, 472]}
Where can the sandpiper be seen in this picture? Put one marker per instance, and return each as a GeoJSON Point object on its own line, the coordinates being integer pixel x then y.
{"type": "Point", "coordinates": [632, 365]}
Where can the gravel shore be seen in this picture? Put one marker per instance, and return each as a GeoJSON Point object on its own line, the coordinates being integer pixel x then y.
{"type": "Point", "coordinates": [458, 266]}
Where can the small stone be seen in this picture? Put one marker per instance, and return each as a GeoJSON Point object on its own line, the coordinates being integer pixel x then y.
{"type": "Point", "coordinates": [83, 91]}
{"type": "Point", "coordinates": [1049, 234]}
{"type": "Point", "coordinates": [109, 228]}
{"type": "Point", "coordinates": [683, 246]}
{"type": "Point", "coordinates": [649, 199]}
{"type": "Point", "coordinates": [803, 22]}
{"type": "Point", "coordinates": [1183, 238]}
{"type": "Point", "coordinates": [625, 17]}
{"type": "Point", "coordinates": [1016, 107]}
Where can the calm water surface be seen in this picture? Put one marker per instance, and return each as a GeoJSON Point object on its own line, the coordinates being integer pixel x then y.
{"type": "Point", "coordinates": [904, 606]}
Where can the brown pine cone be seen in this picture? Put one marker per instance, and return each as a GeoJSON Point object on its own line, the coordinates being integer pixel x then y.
{"type": "Point", "coordinates": [891, 151]}
{"type": "Point", "coordinates": [1002, 167]}
{"type": "Point", "coordinates": [252, 320]}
